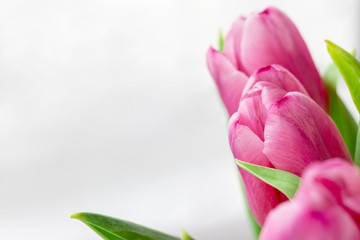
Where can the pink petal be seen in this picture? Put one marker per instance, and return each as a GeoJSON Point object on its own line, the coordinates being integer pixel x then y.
{"type": "Point", "coordinates": [252, 113]}
{"type": "Point", "coordinates": [229, 81]}
{"type": "Point", "coordinates": [337, 181]}
{"type": "Point", "coordinates": [271, 37]}
{"type": "Point", "coordinates": [233, 43]}
{"type": "Point", "coordinates": [278, 76]}
{"type": "Point", "coordinates": [298, 132]}
{"type": "Point", "coordinates": [297, 221]}
{"type": "Point", "coordinates": [246, 146]}
{"type": "Point", "coordinates": [275, 81]}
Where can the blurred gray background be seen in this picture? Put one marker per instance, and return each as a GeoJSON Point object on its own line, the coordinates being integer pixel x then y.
{"type": "Point", "coordinates": [108, 107]}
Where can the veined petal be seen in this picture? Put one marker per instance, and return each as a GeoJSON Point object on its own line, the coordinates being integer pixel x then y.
{"type": "Point", "coordinates": [270, 37]}
{"type": "Point", "coordinates": [275, 81]}
{"type": "Point", "coordinates": [246, 146]}
{"type": "Point", "coordinates": [233, 43]}
{"type": "Point", "coordinates": [252, 113]}
{"type": "Point", "coordinates": [229, 81]}
{"type": "Point", "coordinates": [278, 76]}
{"type": "Point", "coordinates": [298, 132]}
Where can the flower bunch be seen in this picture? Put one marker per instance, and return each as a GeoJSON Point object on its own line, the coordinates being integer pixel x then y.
{"type": "Point", "coordinates": [282, 127]}
{"type": "Point", "coordinates": [295, 143]}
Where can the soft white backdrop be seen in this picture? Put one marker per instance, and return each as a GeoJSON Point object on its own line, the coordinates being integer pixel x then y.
{"type": "Point", "coordinates": [107, 106]}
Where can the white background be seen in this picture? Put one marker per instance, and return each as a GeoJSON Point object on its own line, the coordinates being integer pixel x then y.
{"type": "Point", "coordinates": [108, 107]}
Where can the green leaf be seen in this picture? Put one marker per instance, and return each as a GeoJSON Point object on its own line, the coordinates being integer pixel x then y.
{"type": "Point", "coordinates": [255, 226]}
{"type": "Point", "coordinates": [357, 150]}
{"type": "Point", "coordinates": [349, 68]}
{"type": "Point", "coordinates": [285, 182]}
{"type": "Point", "coordinates": [186, 236]}
{"type": "Point", "coordinates": [221, 42]}
{"type": "Point", "coordinates": [116, 229]}
{"type": "Point", "coordinates": [331, 75]}
{"type": "Point", "coordinates": [338, 111]}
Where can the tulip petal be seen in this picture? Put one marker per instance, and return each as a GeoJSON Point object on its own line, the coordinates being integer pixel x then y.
{"type": "Point", "coordinates": [233, 42]}
{"type": "Point", "coordinates": [320, 208]}
{"type": "Point", "coordinates": [270, 37]}
{"type": "Point", "coordinates": [252, 113]}
{"type": "Point", "coordinates": [298, 132]}
{"type": "Point", "coordinates": [229, 81]}
{"type": "Point", "coordinates": [245, 145]}
{"type": "Point", "coordinates": [336, 180]}
{"type": "Point", "coordinates": [248, 147]}
{"type": "Point", "coordinates": [277, 75]}
{"type": "Point", "coordinates": [297, 221]}
{"type": "Point", "coordinates": [275, 81]}
{"type": "Point", "coordinates": [266, 86]}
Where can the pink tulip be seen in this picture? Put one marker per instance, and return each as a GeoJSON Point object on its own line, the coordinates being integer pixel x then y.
{"type": "Point", "coordinates": [262, 39]}
{"type": "Point", "coordinates": [278, 125]}
{"type": "Point", "coordinates": [326, 206]}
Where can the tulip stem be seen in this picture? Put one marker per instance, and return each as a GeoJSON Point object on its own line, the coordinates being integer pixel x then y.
{"type": "Point", "coordinates": [221, 41]}
{"type": "Point", "coordinates": [342, 118]}
{"type": "Point", "coordinates": [357, 149]}
{"type": "Point", "coordinates": [255, 226]}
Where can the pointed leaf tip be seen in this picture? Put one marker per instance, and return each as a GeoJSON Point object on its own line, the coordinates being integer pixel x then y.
{"type": "Point", "coordinates": [329, 43]}
{"type": "Point", "coordinates": [110, 228]}
{"type": "Point", "coordinates": [186, 236]}
{"type": "Point", "coordinates": [349, 68]}
{"type": "Point", "coordinates": [76, 215]}
{"type": "Point", "coordinates": [285, 182]}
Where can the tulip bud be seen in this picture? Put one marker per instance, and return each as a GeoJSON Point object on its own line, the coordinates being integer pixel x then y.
{"type": "Point", "coordinates": [278, 125]}
{"type": "Point", "coordinates": [326, 206]}
{"type": "Point", "coordinates": [262, 39]}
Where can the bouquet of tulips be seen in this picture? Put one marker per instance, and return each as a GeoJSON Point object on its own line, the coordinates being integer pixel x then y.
{"type": "Point", "coordinates": [295, 143]}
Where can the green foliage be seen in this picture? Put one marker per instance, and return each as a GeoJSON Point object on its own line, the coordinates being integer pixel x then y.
{"type": "Point", "coordinates": [186, 236]}
{"type": "Point", "coordinates": [338, 111]}
{"type": "Point", "coordinates": [116, 229]}
{"type": "Point", "coordinates": [349, 68]}
{"type": "Point", "coordinates": [255, 226]}
{"type": "Point", "coordinates": [221, 42]}
{"type": "Point", "coordinates": [285, 182]}
{"type": "Point", "coordinates": [357, 150]}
